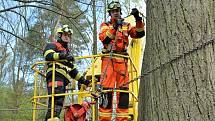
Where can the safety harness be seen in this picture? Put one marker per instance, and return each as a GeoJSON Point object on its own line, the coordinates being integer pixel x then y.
{"type": "Point", "coordinates": [103, 97]}
{"type": "Point", "coordinates": [77, 112]}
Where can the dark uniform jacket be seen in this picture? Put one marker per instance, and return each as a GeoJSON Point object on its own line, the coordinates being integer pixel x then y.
{"type": "Point", "coordinates": [64, 70]}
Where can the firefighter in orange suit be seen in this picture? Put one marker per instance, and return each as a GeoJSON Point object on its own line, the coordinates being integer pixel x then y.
{"type": "Point", "coordinates": [114, 36]}
{"type": "Point", "coordinates": [63, 74]}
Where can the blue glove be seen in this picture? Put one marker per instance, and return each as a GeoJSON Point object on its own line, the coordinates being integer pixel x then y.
{"type": "Point", "coordinates": [118, 23]}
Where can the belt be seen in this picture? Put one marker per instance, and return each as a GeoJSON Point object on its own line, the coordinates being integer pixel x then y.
{"type": "Point", "coordinates": [56, 84]}
{"type": "Point", "coordinates": [106, 51]}
{"type": "Point", "coordinates": [114, 57]}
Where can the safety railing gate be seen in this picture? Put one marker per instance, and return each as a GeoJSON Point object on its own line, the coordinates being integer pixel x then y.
{"type": "Point", "coordinates": [133, 88]}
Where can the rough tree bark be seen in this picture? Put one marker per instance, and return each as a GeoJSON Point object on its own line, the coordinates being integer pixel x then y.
{"type": "Point", "coordinates": [178, 81]}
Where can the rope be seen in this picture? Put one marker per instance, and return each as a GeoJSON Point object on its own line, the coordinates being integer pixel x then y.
{"type": "Point", "coordinates": [194, 49]}
{"type": "Point", "coordinates": [18, 109]}
{"type": "Point", "coordinates": [111, 55]}
{"type": "Point", "coordinates": [105, 72]}
{"type": "Point", "coordinates": [127, 83]}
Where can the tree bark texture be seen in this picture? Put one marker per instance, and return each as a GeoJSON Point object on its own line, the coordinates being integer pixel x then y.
{"type": "Point", "coordinates": [178, 69]}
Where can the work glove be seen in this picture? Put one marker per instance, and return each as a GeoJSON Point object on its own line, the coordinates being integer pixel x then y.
{"type": "Point", "coordinates": [65, 55]}
{"type": "Point", "coordinates": [86, 83]}
{"type": "Point", "coordinates": [135, 13]}
{"type": "Point", "coordinates": [82, 80]}
{"type": "Point", "coordinates": [70, 58]}
{"type": "Point", "coordinates": [79, 85]}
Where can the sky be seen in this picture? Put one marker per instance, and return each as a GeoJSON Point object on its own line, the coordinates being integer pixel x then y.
{"type": "Point", "coordinates": [141, 7]}
{"type": "Point", "coordinates": [100, 16]}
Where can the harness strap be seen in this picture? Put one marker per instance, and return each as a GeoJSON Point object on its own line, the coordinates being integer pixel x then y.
{"type": "Point", "coordinates": [78, 113]}
{"type": "Point", "coordinates": [117, 114]}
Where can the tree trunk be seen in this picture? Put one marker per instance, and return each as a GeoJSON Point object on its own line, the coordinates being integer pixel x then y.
{"type": "Point", "coordinates": [105, 10]}
{"type": "Point", "coordinates": [94, 29]}
{"type": "Point", "coordinates": [178, 81]}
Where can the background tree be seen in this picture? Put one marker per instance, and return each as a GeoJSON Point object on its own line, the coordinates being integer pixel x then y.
{"type": "Point", "coordinates": [178, 65]}
{"type": "Point", "coordinates": [25, 27]}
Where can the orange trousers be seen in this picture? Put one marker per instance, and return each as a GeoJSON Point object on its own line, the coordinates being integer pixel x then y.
{"type": "Point", "coordinates": [114, 75]}
{"type": "Point", "coordinates": [114, 71]}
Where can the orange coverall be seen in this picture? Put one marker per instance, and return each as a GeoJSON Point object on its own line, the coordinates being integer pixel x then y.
{"type": "Point", "coordinates": [115, 69]}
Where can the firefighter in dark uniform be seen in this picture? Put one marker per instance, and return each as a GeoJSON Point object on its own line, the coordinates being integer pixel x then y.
{"type": "Point", "coordinates": [56, 51]}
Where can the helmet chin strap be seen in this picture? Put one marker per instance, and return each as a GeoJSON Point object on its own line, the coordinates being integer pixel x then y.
{"type": "Point", "coordinates": [64, 44]}
{"type": "Point", "coordinates": [59, 39]}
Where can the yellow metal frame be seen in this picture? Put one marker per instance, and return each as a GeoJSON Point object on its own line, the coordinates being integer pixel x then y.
{"type": "Point", "coordinates": [133, 69]}
{"type": "Point", "coordinates": [135, 51]}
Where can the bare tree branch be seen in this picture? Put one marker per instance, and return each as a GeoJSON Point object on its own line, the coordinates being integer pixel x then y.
{"type": "Point", "coordinates": [20, 6]}
{"type": "Point", "coordinates": [26, 22]}
{"type": "Point", "coordinates": [19, 38]}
